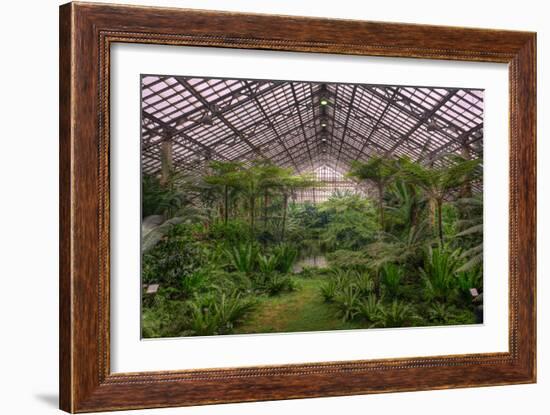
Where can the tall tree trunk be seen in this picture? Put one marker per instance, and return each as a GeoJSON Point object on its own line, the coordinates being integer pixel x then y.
{"type": "Point", "coordinates": [432, 209]}
{"type": "Point", "coordinates": [265, 208]}
{"type": "Point", "coordinates": [413, 220]}
{"type": "Point", "coordinates": [226, 204]}
{"type": "Point", "coordinates": [252, 215]}
{"type": "Point", "coordinates": [440, 221]}
{"type": "Point", "coordinates": [285, 202]}
{"type": "Point", "coordinates": [381, 204]}
{"type": "Point", "coordinates": [166, 159]}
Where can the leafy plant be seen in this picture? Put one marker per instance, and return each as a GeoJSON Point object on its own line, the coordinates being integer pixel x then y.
{"type": "Point", "coordinates": [330, 288]}
{"type": "Point", "coordinates": [466, 280]}
{"type": "Point", "coordinates": [438, 273]}
{"type": "Point", "coordinates": [277, 284]}
{"type": "Point", "coordinates": [347, 259]}
{"type": "Point", "coordinates": [398, 314]}
{"type": "Point", "coordinates": [440, 313]}
{"type": "Point", "coordinates": [371, 309]}
{"type": "Point", "coordinates": [364, 282]}
{"type": "Point", "coordinates": [267, 264]}
{"type": "Point", "coordinates": [346, 301]}
{"type": "Point", "coordinates": [217, 313]}
{"type": "Point", "coordinates": [285, 255]}
{"type": "Point", "coordinates": [379, 171]}
{"type": "Point", "coordinates": [392, 279]}
{"type": "Point", "coordinates": [439, 182]}
{"type": "Point", "coordinates": [471, 232]}
{"type": "Point", "coordinates": [244, 257]}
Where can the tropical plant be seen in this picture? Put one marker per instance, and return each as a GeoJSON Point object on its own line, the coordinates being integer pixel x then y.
{"type": "Point", "coordinates": [285, 255]}
{"type": "Point", "coordinates": [243, 257]}
{"type": "Point", "coordinates": [403, 205]}
{"type": "Point", "coordinates": [406, 248]}
{"type": "Point", "coordinates": [438, 183]}
{"type": "Point", "coordinates": [392, 279]}
{"type": "Point", "coordinates": [346, 301]}
{"type": "Point", "coordinates": [163, 318]}
{"type": "Point", "coordinates": [370, 309]}
{"type": "Point", "coordinates": [398, 314]}
{"type": "Point", "coordinates": [267, 264]}
{"type": "Point", "coordinates": [225, 176]}
{"type": "Point", "coordinates": [276, 284]}
{"type": "Point", "coordinates": [380, 171]}
{"type": "Point", "coordinates": [471, 232]}
{"type": "Point", "coordinates": [466, 280]}
{"type": "Point", "coordinates": [364, 282]}
{"type": "Point", "coordinates": [176, 256]}
{"type": "Point", "coordinates": [288, 186]}
{"type": "Point", "coordinates": [441, 313]}
{"type": "Point", "coordinates": [438, 273]}
{"type": "Point", "coordinates": [346, 259]}
{"type": "Point", "coordinates": [217, 313]}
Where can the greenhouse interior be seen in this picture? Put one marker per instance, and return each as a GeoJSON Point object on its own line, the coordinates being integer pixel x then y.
{"type": "Point", "coordinates": [290, 206]}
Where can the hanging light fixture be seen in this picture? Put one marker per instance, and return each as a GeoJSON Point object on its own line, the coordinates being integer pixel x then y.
{"type": "Point", "coordinates": [206, 119]}
{"type": "Point", "coordinates": [432, 125]}
{"type": "Point", "coordinates": [323, 96]}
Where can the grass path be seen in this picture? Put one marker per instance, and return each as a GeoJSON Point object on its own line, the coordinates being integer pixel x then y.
{"type": "Point", "coordinates": [301, 310]}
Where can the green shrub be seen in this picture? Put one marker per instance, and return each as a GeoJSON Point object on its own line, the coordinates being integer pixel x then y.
{"type": "Point", "coordinates": [163, 318]}
{"type": "Point", "coordinates": [174, 258]}
{"type": "Point", "coordinates": [277, 284]}
{"type": "Point", "coordinates": [233, 233]}
{"type": "Point", "coordinates": [346, 259]}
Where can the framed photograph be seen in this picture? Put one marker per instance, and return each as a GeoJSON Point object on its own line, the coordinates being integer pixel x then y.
{"type": "Point", "coordinates": [260, 207]}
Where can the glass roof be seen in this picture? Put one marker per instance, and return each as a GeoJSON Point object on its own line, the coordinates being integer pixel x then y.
{"type": "Point", "coordinates": [285, 121]}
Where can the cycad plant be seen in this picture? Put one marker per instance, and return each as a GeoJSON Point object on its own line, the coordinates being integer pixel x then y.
{"type": "Point", "coordinates": [371, 309]}
{"type": "Point", "coordinates": [285, 256]}
{"type": "Point", "coordinates": [392, 279]}
{"type": "Point", "coordinates": [243, 257]}
{"type": "Point", "coordinates": [438, 273]}
{"type": "Point", "coordinates": [267, 264]}
{"type": "Point", "coordinates": [398, 314]}
{"type": "Point", "coordinates": [346, 301]}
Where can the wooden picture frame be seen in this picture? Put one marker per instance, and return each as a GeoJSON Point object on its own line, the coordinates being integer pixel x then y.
{"type": "Point", "coordinates": [86, 33]}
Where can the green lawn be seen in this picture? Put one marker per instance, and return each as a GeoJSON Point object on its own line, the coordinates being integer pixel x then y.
{"type": "Point", "coordinates": [301, 310]}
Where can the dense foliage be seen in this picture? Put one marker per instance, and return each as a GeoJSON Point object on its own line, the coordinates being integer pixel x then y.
{"type": "Point", "coordinates": [223, 245]}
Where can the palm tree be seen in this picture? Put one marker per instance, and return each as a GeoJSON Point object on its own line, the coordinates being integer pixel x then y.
{"type": "Point", "coordinates": [380, 171]}
{"type": "Point", "coordinates": [271, 178]}
{"type": "Point", "coordinates": [288, 186]}
{"type": "Point", "coordinates": [225, 176]}
{"type": "Point", "coordinates": [438, 183]}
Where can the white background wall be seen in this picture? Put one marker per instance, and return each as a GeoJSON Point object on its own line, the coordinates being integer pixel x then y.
{"type": "Point", "coordinates": [29, 192]}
